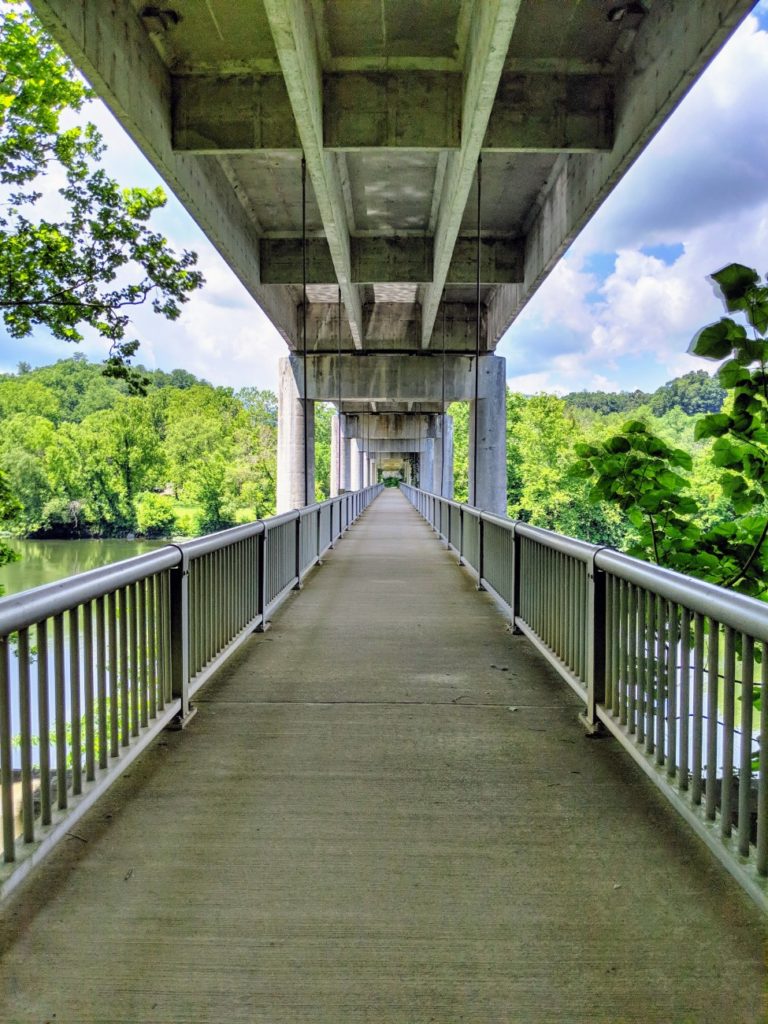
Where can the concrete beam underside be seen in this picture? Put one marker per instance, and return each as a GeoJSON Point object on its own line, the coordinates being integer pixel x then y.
{"type": "Point", "coordinates": [409, 828]}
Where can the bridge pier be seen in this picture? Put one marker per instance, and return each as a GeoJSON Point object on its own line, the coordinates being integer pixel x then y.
{"type": "Point", "coordinates": [340, 455]}
{"type": "Point", "coordinates": [291, 410]}
{"type": "Point", "coordinates": [391, 407]}
{"type": "Point", "coordinates": [488, 474]}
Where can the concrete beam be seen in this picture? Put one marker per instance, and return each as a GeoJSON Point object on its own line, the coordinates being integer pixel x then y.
{"type": "Point", "coordinates": [391, 260]}
{"type": "Point", "coordinates": [550, 113]}
{"type": "Point", "coordinates": [489, 35]}
{"type": "Point", "coordinates": [674, 43]}
{"type": "Point", "coordinates": [532, 112]}
{"type": "Point", "coordinates": [394, 325]}
{"type": "Point", "coordinates": [412, 110]}
{"type": "Point", "coordinates": [295, 41]}
{"type": "Point", "coordinates": [110, 46]}
{"type": "Point", "coordinates": [386, 426]}
{"type": "Point", "coordinates": [390, 378]}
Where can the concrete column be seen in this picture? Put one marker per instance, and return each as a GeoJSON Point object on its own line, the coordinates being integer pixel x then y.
{"type": "Point", "coordinates": [427, 464]}
{"type": "Point", "coordinates": [374, 470]}
{"type": "Point", "coordinates": [290, 443]}
{"type": "Point", "coordinates": [339, 451]}
{"type": "Point", "coordinates": [490, 490]}
{"type": "Point", "coordinates": [444, 458]}
{"type": "Point", "coordinates": [356, 460]}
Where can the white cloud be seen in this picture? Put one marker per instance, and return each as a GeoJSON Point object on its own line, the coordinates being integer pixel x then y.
{"type": "Point", "coordinates": [702, 185]}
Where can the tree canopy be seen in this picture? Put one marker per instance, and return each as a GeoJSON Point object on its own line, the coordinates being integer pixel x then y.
{"type": "Point", "coordinates": [89, 258]}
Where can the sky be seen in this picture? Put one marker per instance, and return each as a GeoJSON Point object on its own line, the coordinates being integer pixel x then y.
{"type": "Point", "coordinates": [617, 312]}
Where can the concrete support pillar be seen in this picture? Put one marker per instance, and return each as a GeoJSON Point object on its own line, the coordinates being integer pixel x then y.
{"type": "Point", "coordinates": [444, 459]}
{"type": "Point", "coordinates": [291, 490]}
{"type": "Point", "coordinates": [374, 470]}
{"type": "Point", "coordinates": [427, 464]}
{"type": "Point", "coordinates": [489, 491]}
{"type": "Point", "coordinates": [356, 460]}
{"type": "Point", "coordinates": [339, 453]}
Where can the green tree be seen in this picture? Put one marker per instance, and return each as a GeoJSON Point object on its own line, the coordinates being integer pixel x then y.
{"type": "Point", "coordinates": [648, 478]}
{"type": "Point", "coordinates": [101, 259]}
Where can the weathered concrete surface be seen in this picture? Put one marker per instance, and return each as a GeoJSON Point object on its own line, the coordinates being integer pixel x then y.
{"type": "Point", "coordinates": [383, 812]}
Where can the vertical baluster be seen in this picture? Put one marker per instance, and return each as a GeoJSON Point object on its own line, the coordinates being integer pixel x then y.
{"type": "Point", "coordinates": [712, 701]}
{"type": "Point", "coordinates": [101, 682]}
{"type": "Point", "coordinates": [133, 632]}
{"type": "Point", "coordinates": [74, 701]}
{"type": "Point", "coordinates": [123, 677]}
{"type": "Point", "coordinates": [59, 682]}
{"type": "Point", "coordinates": [697, 723]}
{"type": "Point", "coordinates": [151, 599]}
{"type": "Point", "coordinates": [88, 705]}
{"type": "Point", "coordinates": [615, 641]}
{"type": "Point", "coordinates": [762, 774]}
{"type": "Point", "coordinates": [650, 670]}
{"type": "Point", "coordinates": [641, 676]}
{"type": "Point", "coordinates": [660, 675]}
{"type": "Point", "coordinates": [671, 675]}
{"type": "Point", "coordinates": [114, 674]}
{"type": "Point", "coordinates": [25, 728]}
{"type": "Point", "coordinates": [685, 698]}
{"type": "Point", "coordinates": [6, 769]}
{"type": "Point", "coordinates": [729, 688]}
{"type": "Point", "coordinates": [43, 722]}
{"type": "Point", "coordinates": [745, 760]}
{"type": "Point", "coordinates": [631, 686]}
{"type": "Point", "coordinates": [623, 650]}
{"type": "Point", "coordinates": [141, 611]}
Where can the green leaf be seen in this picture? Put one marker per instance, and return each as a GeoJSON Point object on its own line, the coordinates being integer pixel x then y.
{"type": "Point", "coordinates": [732, 374]}
{"type": "Point", "coordinates": [712, 342]}
{"type": "Point", "coordinates": [734, 282]}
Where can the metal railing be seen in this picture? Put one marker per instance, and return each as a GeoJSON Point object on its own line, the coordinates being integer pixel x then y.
{"type": "Point", "coordinates": [675, 668]}
{"type": "Point", "coordinates": [99, 663]}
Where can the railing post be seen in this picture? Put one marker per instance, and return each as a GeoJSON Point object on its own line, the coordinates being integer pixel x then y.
{"type": "Point", "coordinates": [297, 541]}
{"type": "Point", "coordinates": [596, 639]}
{"type": "Point", "coordinates": [480, 551]}
{"type": "Point", "coordinates": [461, 535]}
{"type": "Point", "coordinates": [516, 578]}
{"type": "Point", "coordinates": [179, 597]}
{"type": "Point", "coordinates": [261, 548]}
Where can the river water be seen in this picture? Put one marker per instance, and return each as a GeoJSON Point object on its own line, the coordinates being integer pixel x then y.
{"type": "Point", "coordinates": [44, 561]}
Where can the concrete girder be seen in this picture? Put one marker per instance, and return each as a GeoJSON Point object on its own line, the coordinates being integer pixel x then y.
{"type": "Point", "coordinates": [395, 326]}
{"type": "Point", "coordinates": [390, 378]}
{"type": "Point", "coordinates": [489, 34]}
{"type": "Point", "coordinates": [295, 41]}
{"type": "Point", "coordinates": [110, 46]}
{"type": "Point", "coordinates": [420, 110]}
{"type": "Point", "coordinates": [672, 46]}
{"type": "Point", "coordinates": [391, 260]}
{"type": "Point", "coordinates": [385, 426]}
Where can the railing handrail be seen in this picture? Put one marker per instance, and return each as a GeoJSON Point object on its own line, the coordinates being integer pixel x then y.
{"type": "Point", "coordinates": [19, 611]}
{"type": "Point", "coordinates": [668, 664]}
{"type": "Point", "coordinates": [739, 611]}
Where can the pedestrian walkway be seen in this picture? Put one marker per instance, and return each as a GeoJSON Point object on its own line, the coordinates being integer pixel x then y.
{"type": "Point", "coordinates": [384, 811]}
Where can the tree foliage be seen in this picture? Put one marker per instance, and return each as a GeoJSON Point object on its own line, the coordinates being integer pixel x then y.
{"type": "Point", "coordinates": [91, 459]}
{"type": "Point", "coordinates": [648, 478]}
{"type": "Point", "coordinates": [99, 259]}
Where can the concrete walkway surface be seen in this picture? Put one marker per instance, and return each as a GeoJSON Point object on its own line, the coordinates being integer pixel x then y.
{"type": "Point", "coordinates": [384, 811]}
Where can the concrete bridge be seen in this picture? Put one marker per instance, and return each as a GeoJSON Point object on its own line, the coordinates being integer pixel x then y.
{"type": "Point", "coordinates": [392, 180]}
{"type": "Point", "coordinates": [384, 810]}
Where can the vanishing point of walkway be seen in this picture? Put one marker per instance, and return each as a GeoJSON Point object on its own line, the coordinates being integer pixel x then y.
{"type": "Point", "coordinates": [384, 811]}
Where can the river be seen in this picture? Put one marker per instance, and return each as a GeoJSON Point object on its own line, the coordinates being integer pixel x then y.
{"type": "Point", "coordinates": [44, 561]}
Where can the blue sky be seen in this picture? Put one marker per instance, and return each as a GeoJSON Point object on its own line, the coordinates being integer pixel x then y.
{"type": "Point", "coordinates": [617, 312]}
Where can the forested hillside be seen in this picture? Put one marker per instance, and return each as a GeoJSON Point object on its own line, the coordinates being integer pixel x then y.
{"type": "Point", "coordinates": [83, 457]}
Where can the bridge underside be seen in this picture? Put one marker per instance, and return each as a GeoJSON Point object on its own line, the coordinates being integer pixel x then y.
{"type": "Point", "coordinates": [396, 248]}
{"type": "Point", "coordinates": [384, 811]}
